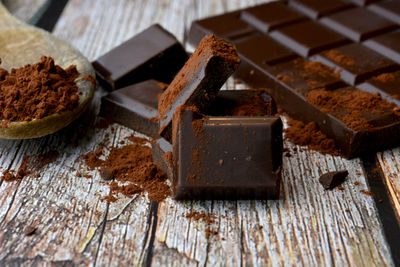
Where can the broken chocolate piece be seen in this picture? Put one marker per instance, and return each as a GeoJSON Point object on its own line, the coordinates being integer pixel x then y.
{"type": "Point", "coordinates": [106, 175]}
{"type": "Point", "coordinates": [134, 106]}
{"type": "Point", "coordinates": [226, 157]}
{"type": "Point", "coordinates": [199, 81]}
{"type": "Point", "coordinates": [161, 151]}
{"type": "Point", "coordinates": [152, 54]}
{"type": "Point", "coordinates": [330, 180]}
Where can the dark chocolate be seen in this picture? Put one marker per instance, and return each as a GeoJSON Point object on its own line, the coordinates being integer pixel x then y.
{"type": "Point", "coordinates": [353, 64]}
{"type": "Point", "coordinates": [152, 54]}
{"type": "Point", "coordinates": [387, 9]}
{"type": "Point", "coordinates": [333, 179]}
{"type": "Point", "coordinates": [161, 151]}
{"type": "Point", "coordinates": [291, 81]}
{"type": "Point", "coordinates": [199, 81]}
{"type": "Point", "coordinates": [387, 45]}
{"type": "Point", "coordinates": [134, 106]}
{"type": "Point", "coordinates": [316, 8]}
{"type": "Point", "coordinates": [358, 24]}
{"type": "Point", "coordinates": [226, 157]}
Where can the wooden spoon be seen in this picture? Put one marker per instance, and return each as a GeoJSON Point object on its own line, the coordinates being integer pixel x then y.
{"type": "Point", "coordinates": [22, 44]}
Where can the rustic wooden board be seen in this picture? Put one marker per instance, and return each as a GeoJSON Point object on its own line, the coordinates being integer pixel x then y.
{"type": "Point", "coordinates": [307, 226]}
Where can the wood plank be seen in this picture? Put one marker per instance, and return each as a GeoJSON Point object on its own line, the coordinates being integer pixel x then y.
{"type": "Point", "coordinates": [307, 226]}
{"type": "Point", "coordinates": [23, 9]}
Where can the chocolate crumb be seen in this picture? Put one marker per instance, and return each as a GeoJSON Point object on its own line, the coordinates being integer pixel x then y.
{"type": "Point", "coordinates": [30, 230]}
{"type": "Point", "coordinates": [333, 179]}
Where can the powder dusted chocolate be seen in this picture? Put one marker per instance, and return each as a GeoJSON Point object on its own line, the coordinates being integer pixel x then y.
{"type": "Point", "coordinates": [199, 81]}
{"type": "Point", "coordinates": [36, 91]}
{"type": "Point", "coordinates": [309, 135]}
{"type": "Point", "coordinates": [133, 171]}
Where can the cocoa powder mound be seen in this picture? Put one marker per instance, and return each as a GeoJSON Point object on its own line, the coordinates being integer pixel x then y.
{"type": "Point", "coordinates": [133, 171]}
{"type": "Point", "coordinates": [351, 105]}
{"type": "Point", "coordinates": [38, 90]}
{"type": "Point", "coordinates": [309, 135]}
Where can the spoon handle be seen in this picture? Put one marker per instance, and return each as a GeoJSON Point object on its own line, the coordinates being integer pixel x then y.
{"type": "Point", "coordinates": [7, 20]}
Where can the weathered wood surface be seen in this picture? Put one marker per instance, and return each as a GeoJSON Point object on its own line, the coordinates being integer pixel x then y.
{"type": "Point", "coordinates": [306, 227]}
{"type": "Point", "coordinates": [24, 9]}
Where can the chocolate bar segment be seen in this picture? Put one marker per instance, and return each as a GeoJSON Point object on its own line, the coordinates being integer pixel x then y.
{"type": "Point", "coordinates": [228, 26]}
{"type": "Point", "coordinates": [152, 54]}
{"type": "Point", "coordinates": [269, 16]}
{"type": "Point", "coordinates": [135, 106]}
{"type": "Point", "coordinates": [226, 157]}
{"type": "Point", "coordinates": [355, 62]}
{"type": "Point", "coordinates": [302, 37]}
{"type": "Point", "coordinates": [358, 24]}
{"type": "Point", "coordinates": [316, 8]}
{"type": "Point", "coordinates": [199, 81]}
{"type": "Point", "coordinates": [387, 9]}
{"type": "Point", "coordinates": [387, 45]}
{"type": "Point", "coordinates": [161, 151]}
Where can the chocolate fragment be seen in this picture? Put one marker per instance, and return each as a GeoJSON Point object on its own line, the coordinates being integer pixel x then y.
{"type": "Point", "coordinates": [30, 230]}
{"type": "Point", "coordinates": [134, 106]}
{"type": "Point", "coordinates": [199, 81]}
{"type": "Point", "coordinates": [226, 157]}
{"type": "Point", "coordinates": [160, 149]}
{"type": "Point", "coordinates": [333, 179]}
{"type": "Point", "coordinates": [106, 175]}
{"type": "Point", "coordinates": [152, 54]}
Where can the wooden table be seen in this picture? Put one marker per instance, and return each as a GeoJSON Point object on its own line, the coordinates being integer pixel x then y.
{"type": "Point", "coordinates": [307, 226]}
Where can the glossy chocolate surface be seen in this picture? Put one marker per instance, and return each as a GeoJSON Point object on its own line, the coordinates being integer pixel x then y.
{"type": "Point", "coordinates": [387, 9]}
{"type": "Point", "coordinates": [152, 54]}
{"type": "Point", "coordinates": [134, 106]}
{"type": "Point", "coordinates": [226, 157]}
{"type": "Point", "coordinates": [328, 57]}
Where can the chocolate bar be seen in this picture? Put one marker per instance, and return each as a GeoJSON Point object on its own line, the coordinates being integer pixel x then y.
{"type": "Point", "coordinates": [152, 54]}
{"type": "Point", "coordinates": [226, 157]}
{"type": "Point", "coordinates": [199, 81]}
{"type": "Point", "coordinates": [309, 65]}
{"type": "Point", "coordinates": [135, 106]}
{"type": "Point", "coordinates": [161, 151]}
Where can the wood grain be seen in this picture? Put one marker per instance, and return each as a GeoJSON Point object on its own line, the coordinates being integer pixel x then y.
{"type": "Point", "coordinates": [307, 226]}
{"type": "Point", "coordinates": [24, 9]}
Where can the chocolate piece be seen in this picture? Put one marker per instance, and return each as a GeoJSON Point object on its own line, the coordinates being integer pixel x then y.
{"type": "Point", "coordinates": [363, 2]}
{"type": "Point", "coordinates": [106, 175]}
{"type": "Point", "coordinates": [387, 9]}
{"type": "Point", "coordinates": [265, 50]}
{"type": "Point", "coordinates": [227, 26]}
{"type": "Point", "coordinates": [269, 16]}
{"type": "Point", "coordinates": [226, 157]}
{"type": "Point", "coordinates": [303, 87]}
{"type": "Point", "coordinates": [134, 106]}
{"type": "Point", "coordinates": [242, 103]}
{"type": "Point", "coordinates": [358, 24]}
{"type": "Point", "coordinates": [356, 62]}
{"type": "Point", "coordinates": [161, 151]}
{"type": "Point", "coordinates": [199, 81]}
{"type": "Point", "coordinates": [386, 84]}
{"type": "Point", "coordinates": [330, 180]}
{"type": "Point", "coordinates": [152, 54]}
{"type": "Point", "coordinates": [317, 8]}
{"type": "Point", "coordinates": [387, 45]}
{"type": "Point", "coordinates": [301, 37]}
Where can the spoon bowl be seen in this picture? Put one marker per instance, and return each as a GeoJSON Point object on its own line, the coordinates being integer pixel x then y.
{"type": "Point", "coordinates": [22, 44]}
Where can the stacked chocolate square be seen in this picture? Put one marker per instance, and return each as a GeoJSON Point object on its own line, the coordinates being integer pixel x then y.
{"type": "Point", "coordinates": [213, 145]}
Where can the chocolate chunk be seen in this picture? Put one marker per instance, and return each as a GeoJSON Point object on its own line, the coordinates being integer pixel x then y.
{"type": "Point", "coordinates": [269, 16]}
{"type": "Point", "coordinates": [152, 54]}
{"type": "Point", "coordinates": [353, 64]}
{"type": "Point", "coordinates": [364, 118]}
{"type": "Point", "coordinates": [358, 24]}
{"type": "Point", "coordinates": [301, 37]}
{"type": "Point", "coordinates": [30, 230]}
{"type": "Point", "coordinates": [199, 81]}
{"type": "Point", "coordinates": [387, 45]}
{"type": "Point", "coordinates": [330, 180]}
{"type": "Point", "coordinates": [317, 8]}
{"type": "Point", "coordinates": [161, 151]}
{"type": "Point", "coordinates": [134, 106]}
{"type": "Point", "coordinates": [226, 157]}
{"type": "Point", "coordinates": [106, 174]}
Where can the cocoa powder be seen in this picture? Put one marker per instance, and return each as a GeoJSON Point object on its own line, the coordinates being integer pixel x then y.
{"type": "Point", "coordinates": [133, 171]}
{"type": "Point", "coordinates": [36, 91]}
{"type": "Point", "coordinates": [309, 135]}
{"type": "Point", "coordinates": [339, 58]}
